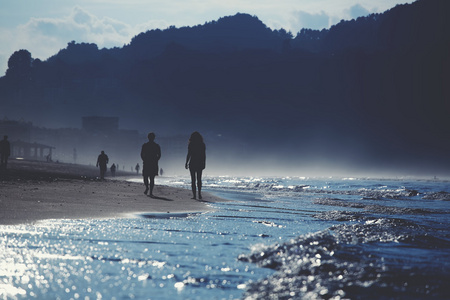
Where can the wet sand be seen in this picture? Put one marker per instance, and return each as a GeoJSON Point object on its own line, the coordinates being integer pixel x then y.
{"type": "Point", "coordinates": [32, 191]}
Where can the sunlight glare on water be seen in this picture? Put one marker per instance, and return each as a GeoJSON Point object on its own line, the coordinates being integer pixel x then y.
{"type": "Point", "coordinates": [293, 237]}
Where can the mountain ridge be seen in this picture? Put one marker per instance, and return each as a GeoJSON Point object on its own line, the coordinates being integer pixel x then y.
{"type": "Point", "coordinates": [374, 85]}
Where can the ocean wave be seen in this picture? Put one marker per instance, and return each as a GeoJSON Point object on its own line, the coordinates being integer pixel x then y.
{"type": "Point", "coordinates": [351, 261]}
{"type": "Point", "coordinates": [371, 194]}
{"type": "Point", "coordinates": [290, 187]}
{"type": "Point", "coordinates": [375, 208]}
{"type": "Point", "coordinates": [444, 196]}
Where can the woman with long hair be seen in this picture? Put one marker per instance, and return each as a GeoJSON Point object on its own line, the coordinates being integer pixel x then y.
{"type": "Point", "coordinates": [196, 162]}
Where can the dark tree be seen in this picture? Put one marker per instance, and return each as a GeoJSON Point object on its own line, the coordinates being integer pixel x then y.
{"type": "Point", "coordinates": [19, 65]}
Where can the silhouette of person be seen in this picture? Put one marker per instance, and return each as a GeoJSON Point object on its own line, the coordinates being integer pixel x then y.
{"type": "Point", "coordinates": [102, 161]}
{"type": "Point", "coordinates": [196, 162]}
{"type": "Point", "coordinates": [113, 170]}
{"type": "Point", "coordinates": [150, 154]}
{"type": "Point", "coordinates": [137, 168]}
{"type": "Point", "coordinates": [5, 151]}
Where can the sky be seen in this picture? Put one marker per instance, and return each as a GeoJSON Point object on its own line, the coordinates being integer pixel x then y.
{"type": "Point", "coordinates": [43, 27]}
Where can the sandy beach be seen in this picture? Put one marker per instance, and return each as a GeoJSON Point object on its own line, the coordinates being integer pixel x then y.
{"type": "Point", "coordinates": [32, 191]}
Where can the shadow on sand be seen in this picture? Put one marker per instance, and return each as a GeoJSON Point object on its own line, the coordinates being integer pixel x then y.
{"type": "Point", "coordinates": [160, 198]}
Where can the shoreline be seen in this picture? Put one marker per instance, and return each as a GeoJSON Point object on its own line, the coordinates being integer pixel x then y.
{"type": "Point", "coordinates": [33, 191]}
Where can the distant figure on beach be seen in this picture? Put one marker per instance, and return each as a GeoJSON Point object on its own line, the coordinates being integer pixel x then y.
{"type": "Point", "coordinates": [196, 162]}
{"type": "Point", "coordinates": [150, 154]}
{"type": "Point", "coordinates": [5, 151]}
{"type": "Point", "coordinates": [161, 172]}
{"type": "Point", "coordinates": [137, 168]}
{"type": "Point", "coordinates": [113, 170]}
{"type": "Point", "coordinates": [102, 161]}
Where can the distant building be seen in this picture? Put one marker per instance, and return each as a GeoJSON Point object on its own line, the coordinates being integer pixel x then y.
{"type": "Point", "coordinates": [33, 151]}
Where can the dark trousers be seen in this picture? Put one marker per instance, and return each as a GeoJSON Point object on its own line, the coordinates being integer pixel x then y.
{"type": "Point", "coordinates": [3, 161]}
{"type": "Point", "coordinates": [152, 181]}
{"type": "Point", "coordinates": [196, 176]}
{"type": "Point", "coordinates": [148, 174]}
{"type": "Point", "coordinates": [102, 172]}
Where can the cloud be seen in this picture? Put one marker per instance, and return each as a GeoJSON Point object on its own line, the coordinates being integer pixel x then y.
{"type": "Point", "coordinates": [44, 37]}
{"type": "Point", "coordinates": [302, 19]}
{"type": "Point", "coordinates": [81, 26]}
{"type": "Point", "coordinates": [358, 11]}
{"type": "Point", "coordinates": [320, 20]}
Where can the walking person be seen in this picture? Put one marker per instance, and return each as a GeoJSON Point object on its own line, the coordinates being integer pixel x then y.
{"type": "Point", "coordinates": [196, 162]}
{"type": "Point", "coordinates": [102, 161]}
{"type": "Point", "coordinates": [5, 152]}
{"type": "Point", "coordinates": [150, 154]}
{"type": "Point", "coordinates": [137, 168]}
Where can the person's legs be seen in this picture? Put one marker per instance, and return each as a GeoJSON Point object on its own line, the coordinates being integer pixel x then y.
{"type": "Point", "coordinates": [102, 173]}
{"type": "Point", "coordinates": [152, 184]}
{"type": "Point", "coordinates": [199, 184]}
{"type": "Point", "coordinates": [193, 184]}
{"type": "Point", "coordinates": [145, 175]}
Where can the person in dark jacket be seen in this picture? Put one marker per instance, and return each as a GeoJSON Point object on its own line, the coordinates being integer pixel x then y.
{"type": "Point", "coordinates": [196, 162]}
{"type": "Point", "coordinates": [150, 154]}
{"type": "Point", "coordinates": [102, 161]}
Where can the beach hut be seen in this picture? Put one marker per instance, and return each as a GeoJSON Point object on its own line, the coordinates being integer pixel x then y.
{"type": "Point", "coordinates": [34, 151]}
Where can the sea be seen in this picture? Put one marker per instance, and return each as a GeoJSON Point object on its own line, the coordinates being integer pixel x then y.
{"type": "Point", "coordinates": [278, 238]}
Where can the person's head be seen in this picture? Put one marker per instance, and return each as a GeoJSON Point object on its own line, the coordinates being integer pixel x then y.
{"type": "Point", "coordinates": [196, 137]}
{"type": "Point", "coordinates": [5, 137]}
{"type": "Point", "coordinates": [103, 152]}
{"type": "Point", "coordinates": [151, 136]}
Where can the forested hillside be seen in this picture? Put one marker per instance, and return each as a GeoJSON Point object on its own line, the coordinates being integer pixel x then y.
{"type": "Point", "coordinates": [377, 87]}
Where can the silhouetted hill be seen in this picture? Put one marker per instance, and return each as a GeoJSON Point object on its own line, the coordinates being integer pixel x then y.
{"type": "Point", "coordinates": [375, 87]}
{"type": "Point", "coordinates": [417, 25]}
{"type": "Point", "coordinates": [228, 34]}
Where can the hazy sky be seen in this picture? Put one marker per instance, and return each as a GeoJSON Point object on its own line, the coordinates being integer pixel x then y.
{"type": "Point", "coordinates": [43, 27]}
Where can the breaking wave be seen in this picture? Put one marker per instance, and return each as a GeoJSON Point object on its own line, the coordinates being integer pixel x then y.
{"type": "Point", "coordinates": [368, 260]}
